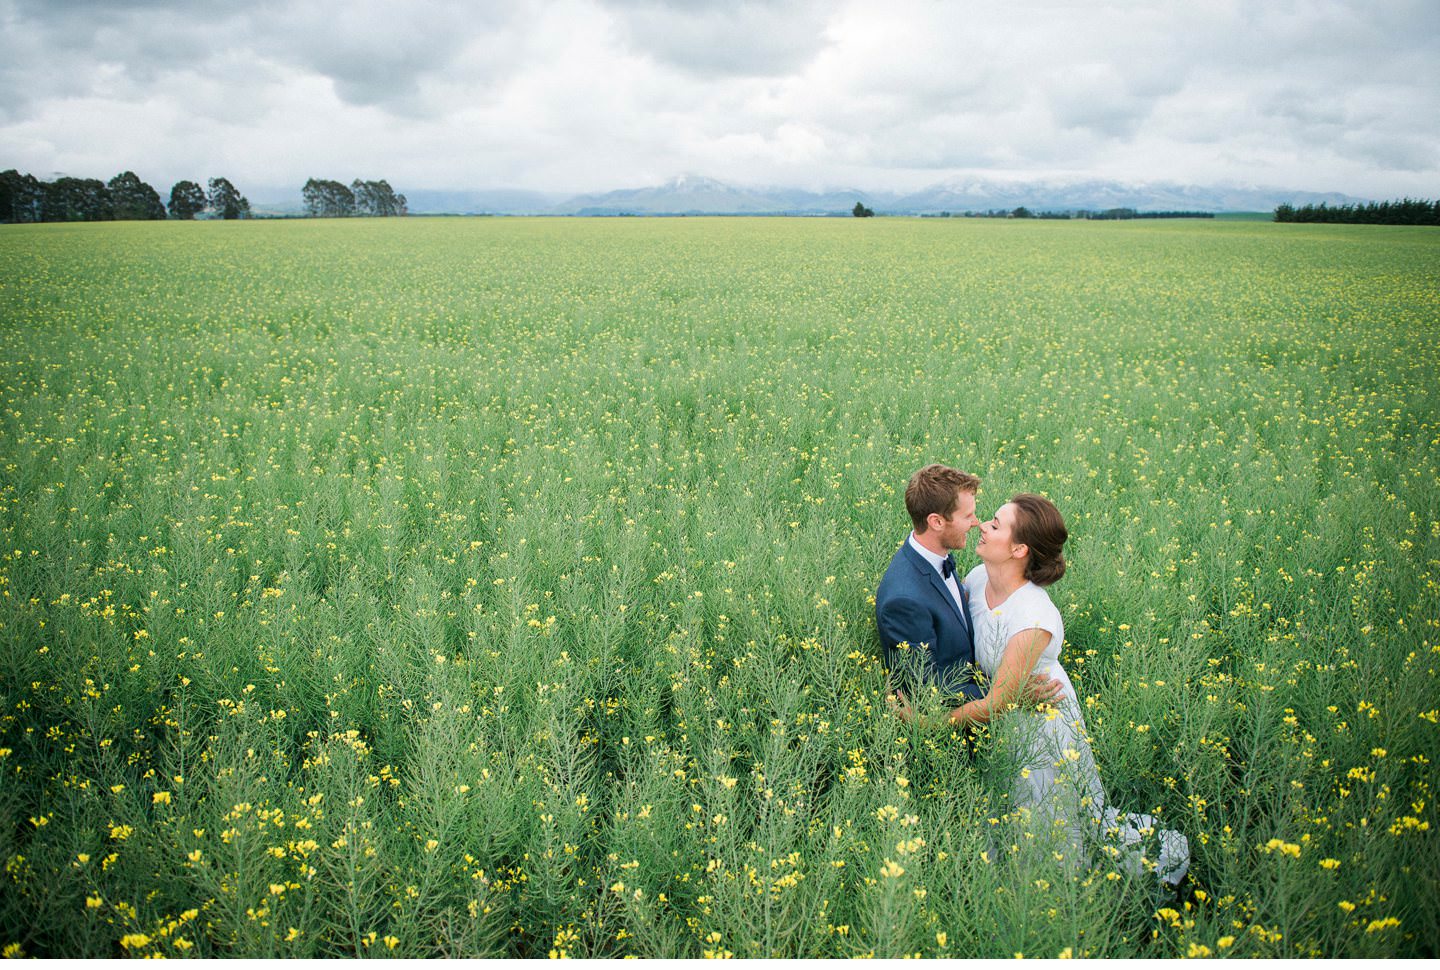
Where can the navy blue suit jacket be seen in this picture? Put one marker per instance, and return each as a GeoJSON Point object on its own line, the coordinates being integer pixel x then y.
{"type": "Point", "coordinates": [913, 606]}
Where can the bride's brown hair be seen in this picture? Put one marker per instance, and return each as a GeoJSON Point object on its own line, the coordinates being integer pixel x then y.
{"type": "Point", "coordinates": [1039, 525]}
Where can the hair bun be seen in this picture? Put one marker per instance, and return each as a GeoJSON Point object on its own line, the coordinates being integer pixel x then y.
{"type": "Point", "coordinates": [1039, 524]}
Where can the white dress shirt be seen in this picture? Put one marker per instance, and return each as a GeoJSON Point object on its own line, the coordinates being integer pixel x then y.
{"type": "Point", "coordinates": [952, 583]}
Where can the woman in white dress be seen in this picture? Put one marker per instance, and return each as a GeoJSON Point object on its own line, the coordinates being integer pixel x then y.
{"type": "Point", "coordinates": [1019, 632]}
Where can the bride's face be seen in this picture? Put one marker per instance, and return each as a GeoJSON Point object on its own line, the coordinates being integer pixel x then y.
{"type": "Point", "coordinates": [997, 538]}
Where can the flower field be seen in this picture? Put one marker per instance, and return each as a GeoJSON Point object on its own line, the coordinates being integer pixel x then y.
{"type": "Point", "coordinates": [502, 587]}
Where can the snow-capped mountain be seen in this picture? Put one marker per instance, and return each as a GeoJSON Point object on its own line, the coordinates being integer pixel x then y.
{"type": "Point", "coordinates": [700, 195]}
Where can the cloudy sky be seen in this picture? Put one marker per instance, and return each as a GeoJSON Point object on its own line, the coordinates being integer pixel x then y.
{"type": "Point", "coordinates": [589, 95]}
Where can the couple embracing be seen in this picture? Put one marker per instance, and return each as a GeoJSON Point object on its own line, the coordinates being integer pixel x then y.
{"type": "Point", "coordinates": [938, 628]}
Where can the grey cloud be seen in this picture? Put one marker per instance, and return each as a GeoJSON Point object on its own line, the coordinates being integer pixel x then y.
{"type": "Point", "coordinates": [714, 39]}
{"type": "Point", "coordinates": [590, 94]}
{"type": "Point", "coordinates": [1096, 97]}
{"type": "Point", "coordinates": [1295, 105]}
{"type": "Point", "coordinates": [1400, 153]}
{"type": "Point", "coordinates": [375, 53]}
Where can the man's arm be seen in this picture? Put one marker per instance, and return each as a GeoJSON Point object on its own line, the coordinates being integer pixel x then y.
{"type": "Point", "coordinates": [907, 632]}
{"type": "Point", "coordinates": [903, 620]}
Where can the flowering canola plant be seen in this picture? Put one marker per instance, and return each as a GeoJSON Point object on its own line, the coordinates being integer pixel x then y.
{"type": "Point", "coordinates": [505, 587]}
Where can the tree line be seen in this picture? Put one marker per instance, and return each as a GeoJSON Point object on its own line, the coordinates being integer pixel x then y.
{"type": "Point", "coordinates": [1022, 212]}
{"type": "Point", "coordinates": [326, 198]}
{"type": "Point", "coordinates": [24, 198]}
{"type": "Point", "coordinates": [1133, 214]}
{"type": "Point", "coordinates": [1404, 212]}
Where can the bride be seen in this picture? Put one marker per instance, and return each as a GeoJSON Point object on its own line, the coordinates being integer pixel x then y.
{"type": "Point", "coordinates": [1018, 631]}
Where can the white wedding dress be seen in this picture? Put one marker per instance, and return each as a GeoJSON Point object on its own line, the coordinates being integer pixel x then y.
{"type": "Point", "coordinates": [1058, 786]}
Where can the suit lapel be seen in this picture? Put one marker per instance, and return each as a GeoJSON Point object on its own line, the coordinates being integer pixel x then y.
{"type": "Point", "coordinates": [938, 585]}
{"type": "Point", "coordinates": [965, 609]}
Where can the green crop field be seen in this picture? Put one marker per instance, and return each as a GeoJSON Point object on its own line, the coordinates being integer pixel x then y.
{"type": "Point", "coordinates": [503, 587]}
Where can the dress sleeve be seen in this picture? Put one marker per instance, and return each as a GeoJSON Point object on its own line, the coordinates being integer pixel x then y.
{"type": "Point", "coordinates": [1036, 612]}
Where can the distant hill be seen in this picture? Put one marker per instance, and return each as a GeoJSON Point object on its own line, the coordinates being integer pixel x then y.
{"type": "Point", "coordinates": [686, 195]}
{"type": "Point", "coordinates": [982, 195]}
{"type": "Point", "coordinates": [694, 195]}
{"type": "Point", "coordinates": [495, 201]}
{"type": "Point", "coordinates": [699, 195]}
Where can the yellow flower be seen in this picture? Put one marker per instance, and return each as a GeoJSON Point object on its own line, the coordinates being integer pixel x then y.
{"type": "Point", "coordinates": [892, 870]}
{"type": "Point", "coordinates": [160, 798]}
{"type": "Point", "coordinates": [132, 941]}
{"type": "Point", "coordinates": [1225, 942]}
{"type": "Point", "coordinates": [1284, 848]}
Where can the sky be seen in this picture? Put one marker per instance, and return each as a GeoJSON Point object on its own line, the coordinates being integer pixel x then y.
{"type": "Point", "coordinates": [577, 96]}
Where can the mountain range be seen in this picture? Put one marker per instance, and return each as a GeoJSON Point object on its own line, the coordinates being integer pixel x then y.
{"type": "Point", "coordinates": [698, 195]}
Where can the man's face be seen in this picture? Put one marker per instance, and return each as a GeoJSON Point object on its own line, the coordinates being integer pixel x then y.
{"type": "Point", "coordinates": [952, 531]}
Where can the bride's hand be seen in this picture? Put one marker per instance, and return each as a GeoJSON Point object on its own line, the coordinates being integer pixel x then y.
{"type": "Point", "coordinates": [1040, 689]}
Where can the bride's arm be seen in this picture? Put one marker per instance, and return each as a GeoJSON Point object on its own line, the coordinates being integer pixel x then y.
{"type": "Point", "coordinates": [1021, 654]}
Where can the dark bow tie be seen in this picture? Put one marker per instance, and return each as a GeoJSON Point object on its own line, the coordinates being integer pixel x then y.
{"type": "Point", "coordinates": [947, 568]}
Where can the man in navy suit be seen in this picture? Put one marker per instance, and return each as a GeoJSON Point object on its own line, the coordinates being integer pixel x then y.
{"type": "Point", "coordinates": [921, 607]}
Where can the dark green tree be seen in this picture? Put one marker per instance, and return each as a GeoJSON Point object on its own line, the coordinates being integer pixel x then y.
{"type": "Point", "coordinates": [862, 211]}
{"type": "Point", "coordinates": [328, 199]}
{"type": "Point", "coordinates": [376, 199]}
{"type": "Point", "coordinates": [134, 199]}
{"type": "Point", "coordinates": [187, 200]}
{"type": "Point", "coordinates": [76, 200]}
{"type": "Point", "coordinates": [21, 197]}
{"type": "Point", "coordinates": [225, 201]}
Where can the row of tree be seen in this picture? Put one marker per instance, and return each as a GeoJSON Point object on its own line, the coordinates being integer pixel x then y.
{"type": "Point", "coordinates": [326, 198]}
{"type": "Point", "coordinates": [1133, 214]}
{"type": "Point", "coordinates": [1405, 212]}
{"type": "Point", "coordinates": [1022, 212]}
{"type": "Point", "coordinates": [24, 198]}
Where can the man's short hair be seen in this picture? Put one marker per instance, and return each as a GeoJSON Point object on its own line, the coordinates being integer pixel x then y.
{"type": "Point", "coordinates": [935, 489]}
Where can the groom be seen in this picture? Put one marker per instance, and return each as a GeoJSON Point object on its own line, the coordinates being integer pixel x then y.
{"type": "Point", "coordinates": [921, 606]}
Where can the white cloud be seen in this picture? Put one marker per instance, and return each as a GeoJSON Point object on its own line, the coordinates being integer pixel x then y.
{"type": "Point", "coordinates": [594, 94]}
